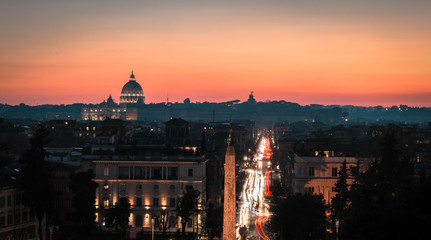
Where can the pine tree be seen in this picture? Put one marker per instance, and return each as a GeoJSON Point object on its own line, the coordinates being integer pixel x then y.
{"type": "Point", "coordinates": [341, 200]}
{"type": "Point", "coordinates": [36, 174]}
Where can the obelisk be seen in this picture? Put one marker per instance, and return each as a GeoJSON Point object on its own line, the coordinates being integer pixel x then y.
{"type": "Point", "coordinates": [229, 208]}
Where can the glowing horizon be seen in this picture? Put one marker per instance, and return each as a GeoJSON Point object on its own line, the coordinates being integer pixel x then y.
{"type": "Point", "coordinates": [330, 52]}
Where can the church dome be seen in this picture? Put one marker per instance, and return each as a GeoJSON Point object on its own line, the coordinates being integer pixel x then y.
{"type": "Point", "coordinates": [132, 91]}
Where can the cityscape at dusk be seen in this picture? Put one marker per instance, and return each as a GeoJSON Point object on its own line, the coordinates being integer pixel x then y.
{"type": "Point", "coordinates": [363, 53]}
{"type": "Point", "coordinates": [215, 120]}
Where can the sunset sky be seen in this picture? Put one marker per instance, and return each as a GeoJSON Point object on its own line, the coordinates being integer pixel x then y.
{"type": "Point", "coordinates": [368, 52]}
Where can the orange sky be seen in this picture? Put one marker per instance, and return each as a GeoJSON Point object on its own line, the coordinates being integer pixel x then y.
{"type": "Point", "coordinates": [332, 53]}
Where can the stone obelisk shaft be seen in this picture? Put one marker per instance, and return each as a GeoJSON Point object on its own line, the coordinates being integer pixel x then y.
{"type": "Point", "coordinates": [229, 209]}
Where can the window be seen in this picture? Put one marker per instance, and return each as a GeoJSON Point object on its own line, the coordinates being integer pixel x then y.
{"type": "Point", "coordinates": [156, 187]}
{"type": "Point", "coordinates": [333, 189]}
{"type": "Point", "coordinates": [157, 173]}
{"type": "Point", "coordinates": [172, 220]}
{"type": "Point", "coordinates": [311, 189]}
{"type": "Point", "coordinates": [24, 216]}
{"type": "Point", "coordinates": [138, 221]}
{"type": "Point", "coordinates": [172, 188]}
{"type": "Point", "coordinates": [155, 202]}
{"type": "Point", "coordinates": [172, 173]}
{"type": "Point", "coordinates": [334, 172]}
{"type": "Point", "coordinates": [123, 187]}
{"type": "Point", "coordinates": [190, 172]}
{"type": "Point", "coordinates": [56, 204]}
{"type": "Point", "coordinates": [139, 187]}
{"type": "Point", "coordinates": [106, 172]}
{"type": "Point", "coordinates": [106, 203]}
{"type": "Point", "coordinates": [172, 202]}
{"type": "Point", "coordinates": [17, 218]}
{"type": "Point", "coordinates": [9, 219]}
{"type": "Point", "coordinates": [138, 202]}
{"type": "Point", "coordinates": [18, 199]}
{"type": "Point", "coordinates": [139, 172]}
{"type": "Point", "coordinates": [311, 172]}
{"type": "Point", "coordinates": [9, 200]}
{"type": "Point", "coordinates": [123, 172]}
{"type": "Point", "coordinates": [2, 202]}
{"type": "Point", "coordinates": [56, 187]}
{"type": "Point", "coordinates": [68, 203]}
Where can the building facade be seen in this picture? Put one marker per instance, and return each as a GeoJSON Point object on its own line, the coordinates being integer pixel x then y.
{"type": "Point", "coordinates": [152, 185]}
{"type": "Point", "coordinates": [317, 175]}
{"type": "Point", "coordinates": [16, 222]}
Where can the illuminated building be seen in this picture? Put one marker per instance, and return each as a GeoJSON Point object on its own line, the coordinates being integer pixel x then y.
{"type": "Point", "coordinates": [16, 222]}
{"type": "Point", "coordinates": [153, 181]}
{"type": "Point", "coordinates": [102, 111]}
{"type": "Point", "coordinates": [318, 174]}
{"type": "Point", "coordinates": [132, 92]}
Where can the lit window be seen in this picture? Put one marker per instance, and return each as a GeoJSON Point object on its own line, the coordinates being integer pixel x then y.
{"type": "Point", "coordinates": [106, 203]}
{"type": "Point", "coordinates": [106, 171]}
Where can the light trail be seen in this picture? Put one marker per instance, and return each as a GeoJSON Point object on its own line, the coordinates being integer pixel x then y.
{"type": "Point", "coordinates": [254, 191]}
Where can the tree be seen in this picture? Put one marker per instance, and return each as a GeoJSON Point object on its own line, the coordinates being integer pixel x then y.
{"type": "Point", "coordinates": [36, 173]}
{"type": "Point", "coordinates": [84, 190]}
{"type": "Point", "coordinates": [164, 221]}
{"type": "Point", "coordinates": [187, 205]}
{"type": "Point", "coordinates": [300, 217]}
{"type": "Point", "coordinates": [387, 201]}
{"type": "Point", "coordinates": [118, 216]}
{"type": "Point", "coordinates": [214, 221]}
{"type": "Point", "coordinates": [341, 200]}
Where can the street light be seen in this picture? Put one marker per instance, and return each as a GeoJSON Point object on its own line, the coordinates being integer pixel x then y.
{"type": "Point", "coordinates": [152, 227]}
{"type": "Point", "coordinates": [337, 224]}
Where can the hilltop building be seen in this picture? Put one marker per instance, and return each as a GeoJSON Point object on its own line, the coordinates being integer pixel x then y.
{"type": "Point", "coordinates": [102, 111]}
{"type": "Point", "coordinates": [132, 92]}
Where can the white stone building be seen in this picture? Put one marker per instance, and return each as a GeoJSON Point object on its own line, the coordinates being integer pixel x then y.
{"type": "Point", "coordinates": [153, 186]}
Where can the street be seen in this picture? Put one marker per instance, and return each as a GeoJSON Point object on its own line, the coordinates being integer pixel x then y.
{"type": "Point", "coordinates": [253, 210]}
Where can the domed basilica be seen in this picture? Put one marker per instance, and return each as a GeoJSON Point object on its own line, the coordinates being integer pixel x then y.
{"type": "Point", "coordinates": [132, 92]}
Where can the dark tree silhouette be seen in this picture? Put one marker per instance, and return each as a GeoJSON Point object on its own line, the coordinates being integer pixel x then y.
{"type": "Point", "coordinates": [36, 172]}
{"type": "Point", "coordinates": [341, 200]}
{"type": "Point", "coordinates": [388, 201]}
{"type": "Point", "coordinates": [118, 216]}
{"type": "Point", "coordinates": [164, 221]}
{"type": "Point", "coordinates": [84, 190]}
{"type": "Point", "coordinates": [300, 217]}
{"type": "Point", "coordinates": [214, 221]}
{"type": "Point", "coordinates": [187, 205]}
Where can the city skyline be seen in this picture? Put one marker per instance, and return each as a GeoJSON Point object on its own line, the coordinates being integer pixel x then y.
{"type": "Point", "coordinates": [328, 52]}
